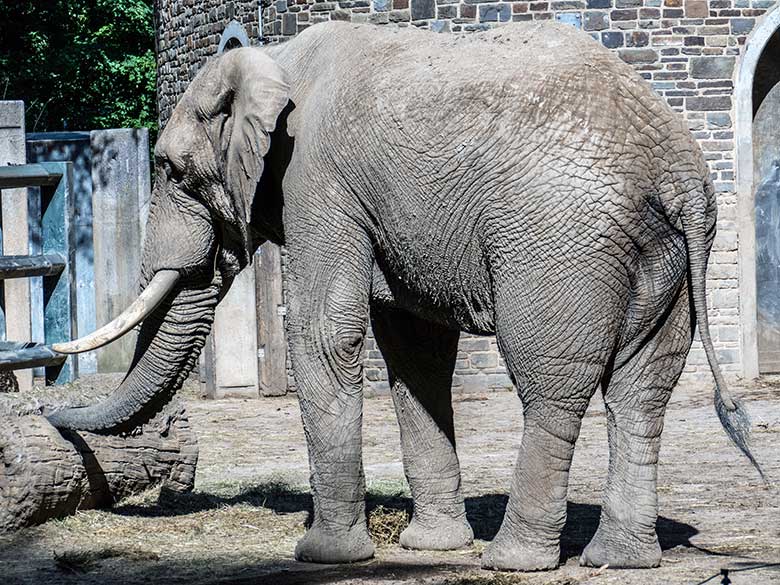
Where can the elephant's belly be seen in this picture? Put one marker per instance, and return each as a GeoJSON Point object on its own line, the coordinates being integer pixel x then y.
{"type": "Point", "coordinates": [463, 306]}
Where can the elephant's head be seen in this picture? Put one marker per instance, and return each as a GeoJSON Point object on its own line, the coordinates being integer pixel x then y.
{"type": "Point", "coordinates": [208, 162]}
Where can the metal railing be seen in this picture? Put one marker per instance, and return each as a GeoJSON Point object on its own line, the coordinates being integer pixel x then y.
{"type": "Point", "coordinates": [52, 293]}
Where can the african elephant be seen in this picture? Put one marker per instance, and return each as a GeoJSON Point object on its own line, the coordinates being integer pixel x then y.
{"type": "Point", "coordinates": [522, 182]}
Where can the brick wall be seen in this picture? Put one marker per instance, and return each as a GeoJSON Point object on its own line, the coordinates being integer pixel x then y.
{"type": "Point", "coordinates": [687, 50]}
{"type": "Point", "coordinates": [188, 33]}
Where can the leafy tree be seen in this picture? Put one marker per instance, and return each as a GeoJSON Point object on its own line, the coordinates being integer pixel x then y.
{"type": "Point", "coordinates": [79, 64]}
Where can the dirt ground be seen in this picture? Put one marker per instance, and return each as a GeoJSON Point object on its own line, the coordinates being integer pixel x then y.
{"type": "Point", "coordinates": [251, 504]}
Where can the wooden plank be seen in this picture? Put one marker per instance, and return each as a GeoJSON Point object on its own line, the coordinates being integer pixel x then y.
{"type": "Point", "coordinates": [27, 266]}
{"type": "Point", "coordinates": [16, 237]}
{"type": "Point", "coordinates": [209, 384]}
{"type": "Point", "coordinates": [22, 355]}
{"type": "Point", "coordinates": [271, 337]}
{"type": "Point", "coordinates": [28, 175]}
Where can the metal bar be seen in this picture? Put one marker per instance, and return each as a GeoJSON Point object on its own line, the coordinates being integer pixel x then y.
{"type": "Point", "coordinates": [26, 266]}
{"type": "Point", "coordinates": [20, 355]}
{"type": "Point", "coordinates": [32, 175]}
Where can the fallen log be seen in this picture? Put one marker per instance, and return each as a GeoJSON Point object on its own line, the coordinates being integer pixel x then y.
{"type": "Point", "coordinates": [46, 473]}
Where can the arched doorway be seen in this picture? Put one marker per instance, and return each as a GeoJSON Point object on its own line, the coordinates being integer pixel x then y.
{"type": "Point", "coordinates": [246, 353]}
{"type": "Point", "coordinates": [766, 183]}
{"type": "Point", "coordinates": [758, 190]}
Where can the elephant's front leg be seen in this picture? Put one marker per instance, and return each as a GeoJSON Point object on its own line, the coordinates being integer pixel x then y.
{"type": "Point", "coordinates": [421, 358]}
{"type": "Point", "coordinates": [328, 286]}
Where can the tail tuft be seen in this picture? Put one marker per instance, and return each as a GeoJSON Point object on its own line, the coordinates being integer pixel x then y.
{"type": "Point", "coordinates": [736, 423]}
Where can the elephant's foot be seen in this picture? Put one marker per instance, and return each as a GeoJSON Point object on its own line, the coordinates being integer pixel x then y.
{"type": "Point", "coordinates": [614, 546]}
{"type": "Point", "coordinates": [504, 554]}
{"type": "Point", "coordinates": [323, 546]}
{"type": "Point", "coordinates": [437, 533]}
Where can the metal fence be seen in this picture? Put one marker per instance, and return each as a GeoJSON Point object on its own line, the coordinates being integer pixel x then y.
{"type": "Point", "coordinates": [49, 264]}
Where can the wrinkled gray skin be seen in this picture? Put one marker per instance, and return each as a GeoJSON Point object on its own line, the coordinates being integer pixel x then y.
{"type": "Point", "coordinates": [522, 182]}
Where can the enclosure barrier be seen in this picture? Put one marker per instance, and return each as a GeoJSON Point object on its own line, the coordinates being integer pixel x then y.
{"type": "Point", "coordinates": [50, 208]}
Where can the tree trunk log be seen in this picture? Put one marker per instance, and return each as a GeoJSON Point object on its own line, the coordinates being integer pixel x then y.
{"type": "Point", "coordinates": [45, 473]}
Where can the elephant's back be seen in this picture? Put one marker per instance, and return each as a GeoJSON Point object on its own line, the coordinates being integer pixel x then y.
{"type": "Point", "coordinates": [537, 61]}
{"type": "Point", "coordinates": [521, 81]}
{"type": "Point", "coordinates": [544, 46]}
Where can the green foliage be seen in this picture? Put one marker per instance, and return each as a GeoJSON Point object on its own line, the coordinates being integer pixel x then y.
{"type": "Point", "coordinates": [79, 64]}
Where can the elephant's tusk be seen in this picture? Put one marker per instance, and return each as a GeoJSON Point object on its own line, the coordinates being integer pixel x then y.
{"type": "Point", "coordinates": [159, 287]}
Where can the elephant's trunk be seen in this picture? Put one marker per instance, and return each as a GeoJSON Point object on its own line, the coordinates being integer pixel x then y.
{"type": "Point", "coordinates": [168, 347]}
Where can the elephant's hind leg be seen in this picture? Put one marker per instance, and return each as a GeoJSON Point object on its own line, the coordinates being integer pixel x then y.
{"type": "Point", "coordinates": [421, 358]}
{"type": "Point", "coordinates": [635, 400]}
{"type": "Point", "coordinates": [556, 346]}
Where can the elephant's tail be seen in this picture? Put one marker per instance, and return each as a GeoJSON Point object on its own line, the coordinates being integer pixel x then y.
{"type": "Point", "coordinates": [698, 235]}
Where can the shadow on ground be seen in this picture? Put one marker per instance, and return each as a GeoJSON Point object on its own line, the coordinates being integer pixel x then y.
{"type": "Point", "coordinates": [484, 512]}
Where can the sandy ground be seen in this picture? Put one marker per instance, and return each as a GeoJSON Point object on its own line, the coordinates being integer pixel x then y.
{"type": "Point", "coordinates": [251, 503]}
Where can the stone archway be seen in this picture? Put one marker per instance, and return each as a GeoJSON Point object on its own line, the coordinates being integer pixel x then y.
{"type": "Point", "coordinates": [232, 37]}
{"type": "Point", "coordinates": [748, 84]}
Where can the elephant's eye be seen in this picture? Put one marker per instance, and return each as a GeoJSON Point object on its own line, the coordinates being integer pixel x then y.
{"type": "Point", "coordinates": [171, 173]}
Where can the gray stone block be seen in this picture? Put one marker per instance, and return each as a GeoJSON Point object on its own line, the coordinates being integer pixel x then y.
{"type": "Point", "coordinates": [612, 40]}
{"type": "Point", "coordinates": [440, 26]}
{"type": "Point", "coordinates": [596, 21]}
{"type": "Point", "coordinates": [483, 360]}
{"type": "Point", "coordinates": [715, 103]}
{"type": "Point", "coordinates": [712, 67]}
{"type": "Point", "coordinates": [742, 26]}
{"type": "Point", "coordinates": [635, 56]}
{"type": "Point", "coordinates": [637, 39]}
{"type": "Point", "coordinates": [290, 23]}
{"type": "Point", "coordinates": [494, 12]}
{"type": "Point", "coordinates": [571, 18]}
{"type": "Point", "coordinates": [423, 9]}
{"type": "Point", "coordinates": [468, 344]}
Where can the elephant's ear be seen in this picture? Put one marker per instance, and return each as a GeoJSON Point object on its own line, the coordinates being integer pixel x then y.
{"type": "Point", "coordinates": [253, 92]}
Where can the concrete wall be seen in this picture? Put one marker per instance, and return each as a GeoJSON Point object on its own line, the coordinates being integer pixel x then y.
{"type": "Point", "coordinates": [111, 191]}
{"type": "Point", "coordinates": [686, 49]}
{"type": "Point", "coordinates": [121, 190]}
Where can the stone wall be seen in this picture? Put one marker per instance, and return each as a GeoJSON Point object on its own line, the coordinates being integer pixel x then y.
{"type": "Point", "coordinates": [687, 50]}
{"type": "Point", "coordinates": [188, 33]}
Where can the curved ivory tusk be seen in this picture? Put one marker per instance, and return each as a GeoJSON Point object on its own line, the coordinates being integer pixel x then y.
{"type": "Point", "coordinates": [159, 287]}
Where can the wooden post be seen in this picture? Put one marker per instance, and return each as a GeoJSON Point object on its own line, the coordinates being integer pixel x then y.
{"type": "Point", "coordinates": [15, 234]}
{"type": "Point", "coordinates": [271, 341]}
